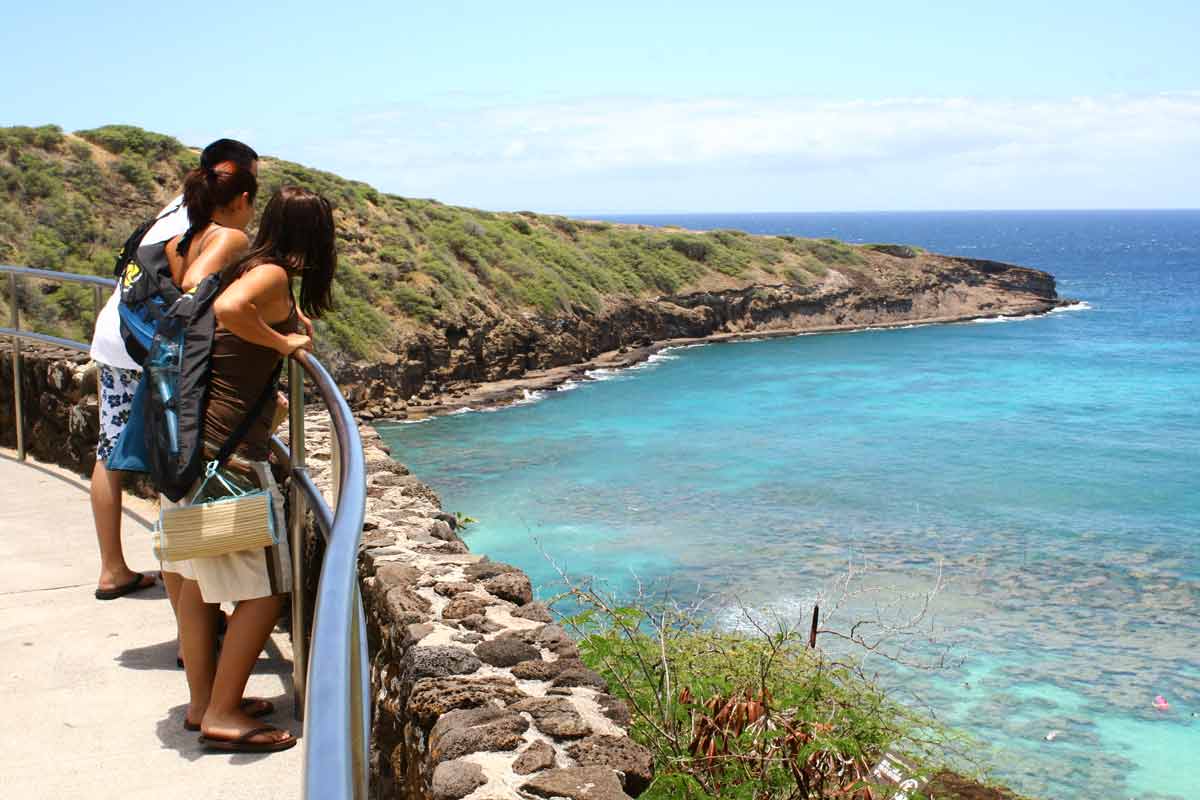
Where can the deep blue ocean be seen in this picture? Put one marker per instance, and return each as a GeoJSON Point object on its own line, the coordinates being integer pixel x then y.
{"type": "Point", "coordinates": [1047, 469]}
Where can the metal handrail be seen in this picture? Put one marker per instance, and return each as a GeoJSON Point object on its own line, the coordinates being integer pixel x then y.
{"type": "Point", "coordinates": [330, 680]}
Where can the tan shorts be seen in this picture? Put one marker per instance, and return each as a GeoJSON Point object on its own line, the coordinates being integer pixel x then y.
{"type": "Point", "coordinates": [247, 574]}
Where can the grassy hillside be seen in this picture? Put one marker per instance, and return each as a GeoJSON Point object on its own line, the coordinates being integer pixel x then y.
{"type": "Point", "coordinates": [67, 201]}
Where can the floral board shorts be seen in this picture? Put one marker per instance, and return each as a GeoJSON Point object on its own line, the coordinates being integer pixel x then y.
{"type": "Point", "coordinates": [117, 386]}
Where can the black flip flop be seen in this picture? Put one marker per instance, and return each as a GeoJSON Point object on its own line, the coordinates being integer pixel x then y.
{"type": "Point", "coordinates": [265, 709]}
{"type": "Point", "coordinates": [134, 585]}
{"type": "Point", "coordinates": [242, 744]}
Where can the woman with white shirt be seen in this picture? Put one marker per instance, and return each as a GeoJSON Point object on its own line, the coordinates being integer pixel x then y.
{"type": "Point", "coordinates": [118, 378]}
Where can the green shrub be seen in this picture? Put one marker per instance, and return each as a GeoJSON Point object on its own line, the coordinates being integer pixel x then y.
{"type": "Point", "coordinates": [756, 714]}
{"type": "Point", "coordinates": [134, 169]}
{"type": "Point", "coordinates": [39, 177]}
{"type": "Point", "coordinates": [120, 139]}
{"type": "Point", "coordinates": [414, 304]}
{"type": "Point", "coordinates": [691, 247]}
{"type": "Point", "coordinates": [46, 250]}
{"type": "Point", "coordinates": [79, 150]}
{"type": "Point", "coordinates": [897, 250]}
{"type": "Point", "coordinates": [46, 137]}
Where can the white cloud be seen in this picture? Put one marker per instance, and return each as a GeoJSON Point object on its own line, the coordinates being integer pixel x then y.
{"type": "Point", "coordinates": [564, 154]}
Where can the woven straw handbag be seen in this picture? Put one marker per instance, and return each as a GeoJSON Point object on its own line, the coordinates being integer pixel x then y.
{"type": "Point", "coordinates": [240, 521]}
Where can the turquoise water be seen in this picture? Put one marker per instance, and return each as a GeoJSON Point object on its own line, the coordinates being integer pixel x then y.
{"type": "Point", "coordinates": [1046, 468]}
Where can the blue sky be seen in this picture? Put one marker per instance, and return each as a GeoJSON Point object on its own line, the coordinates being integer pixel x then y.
{"type": "Point", "coordinates": [651, 106]}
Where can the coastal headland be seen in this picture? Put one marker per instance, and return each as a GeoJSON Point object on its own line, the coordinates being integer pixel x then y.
{"type": "Point", "coordinates": [441, 307]}
{"type": "Point", "coordinates": [954, 290]}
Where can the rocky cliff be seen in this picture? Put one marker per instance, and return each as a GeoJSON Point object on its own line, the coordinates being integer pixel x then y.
{"type": "Point", "coordinates": [447, 362]}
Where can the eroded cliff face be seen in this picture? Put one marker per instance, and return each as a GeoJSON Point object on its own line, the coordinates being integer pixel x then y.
{"type": "Point", "coordinates": [889, 290]}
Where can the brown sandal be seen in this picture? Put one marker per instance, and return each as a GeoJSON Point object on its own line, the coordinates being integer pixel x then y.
{"type": "Point", "coordinates": [251, 707]}
{"type": "Point", "coordinates": [242, 744]}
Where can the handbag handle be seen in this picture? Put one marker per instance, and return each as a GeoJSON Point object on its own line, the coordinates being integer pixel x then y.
{"type": "Point", "coordinates": [213, 470]}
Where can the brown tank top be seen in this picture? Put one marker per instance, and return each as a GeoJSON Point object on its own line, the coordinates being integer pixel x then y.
{"type": "Point", "coordinates": [240, 371]}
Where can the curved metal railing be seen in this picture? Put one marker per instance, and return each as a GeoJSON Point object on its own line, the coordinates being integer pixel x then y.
{"type": "Point", "coordinates": [330, 678]}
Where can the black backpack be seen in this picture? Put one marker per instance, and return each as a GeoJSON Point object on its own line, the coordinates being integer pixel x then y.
{"type": "Point", "coordinates": [177, 368]}
{"type": "Point", "coordinates": [144, 277]}
{"type": "Point", "coordinates": [170, 333]}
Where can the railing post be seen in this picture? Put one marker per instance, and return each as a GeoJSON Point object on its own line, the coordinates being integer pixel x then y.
{"type": "Point", "coordinates": [296, 534]}
{"type": "Point", "coordinates": [97, 305]}
{"type": "Point", "coordinates": [18, 411]}
{"type": "Point", "coordinates": [360, 698]}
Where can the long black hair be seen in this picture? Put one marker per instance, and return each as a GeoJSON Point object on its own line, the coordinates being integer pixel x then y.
{"type": "Point", "coordinates": [297, 233]}
{"type": "Point", "coordinates": [225, 171]}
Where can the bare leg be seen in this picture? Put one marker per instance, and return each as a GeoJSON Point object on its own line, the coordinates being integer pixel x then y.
{"type": "Point", "coordinates": [106, 511]}
{"type": "Point", "coordinates": [173, 582]}
{"type": "Point", "coordinates": [198, 637]}
{"type": "Point", "coordinates": [249, 627]}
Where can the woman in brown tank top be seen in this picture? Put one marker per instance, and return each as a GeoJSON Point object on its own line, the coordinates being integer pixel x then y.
{"type": "Point", "coordinates": [258, 326]}
{"type": "Point", "coordinates": [219, 199]}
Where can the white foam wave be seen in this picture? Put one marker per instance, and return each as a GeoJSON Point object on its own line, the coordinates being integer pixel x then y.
{"type": "Point", "coordinates": [568, 386]}
{"type": "Point", "coordinates": [602, 374]}
{"type": "Point", "coordinates": [464, 410]}
{"type": "Point", "coordinates": [1082, 305]}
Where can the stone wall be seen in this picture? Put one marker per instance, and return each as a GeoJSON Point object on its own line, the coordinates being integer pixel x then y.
{"type": "Point", "coordinates": [58, 395]}
{"type": "Point", "coordinates": [477, 693]}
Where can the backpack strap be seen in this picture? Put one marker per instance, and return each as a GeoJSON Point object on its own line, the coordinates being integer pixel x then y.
{"type": "Point", "coordinates": [135, 239]}
{"type": "Point", "coordinates": [243, 427]}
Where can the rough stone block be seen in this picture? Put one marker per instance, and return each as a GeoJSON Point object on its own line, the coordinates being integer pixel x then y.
{"type": "Point", "coordinates": [439, 662]}
{"type": "Point", "coordinates": [511, 586]}
{"type": "Point", "coordinates": [536, 612]}
{"type": "Point", "coordinates": [464, 605]}
{"type": "Point", "coordinates": [576, 783]}
{"type": "Point", "coordinates": [487, 568]}
{"type": "Point", "coordinates": [633, 761]}
{"type": "Point", "coordinates": [538, 756]}
{"type": "Point", "coordinates": [460, 733]}
{"type": "Point", "coordinates": [554, 716]}
{"type": "Point", "coordinates": [453, 780]}
{"type": "Point", "coordinates": [505, 651]}
{"type": "Point", "coordinates": [432, 697]}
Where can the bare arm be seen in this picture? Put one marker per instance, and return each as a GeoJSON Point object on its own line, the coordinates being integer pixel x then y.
{"type": "Point", "coordinates": [227, 246]}
{"type": "Point", "coordinates": [238, 309]}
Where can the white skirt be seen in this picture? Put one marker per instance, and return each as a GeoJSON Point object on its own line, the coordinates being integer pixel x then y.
{"type": "Point", "coordinates": [246, 574]}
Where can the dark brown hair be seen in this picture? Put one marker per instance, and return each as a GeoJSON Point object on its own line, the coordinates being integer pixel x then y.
{"type": "Point", "coordinates": [207, 188]}
{"type": "Point", "coordinates": [297, 233]}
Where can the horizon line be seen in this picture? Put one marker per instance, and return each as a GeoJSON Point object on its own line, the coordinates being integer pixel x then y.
{"type": "Point", "coordinates": [876, 211]}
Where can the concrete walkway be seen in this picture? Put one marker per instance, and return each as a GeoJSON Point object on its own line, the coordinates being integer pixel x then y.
{"type": "Point", "coordinates": [91, 702]}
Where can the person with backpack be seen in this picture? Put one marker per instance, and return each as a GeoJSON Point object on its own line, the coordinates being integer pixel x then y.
{"type": "Point", "coordinates": [258, 324]}
{"type": "Point", "coordinates": [119, 374]}
{"type": "Point", "coordinates": [219, 199]}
